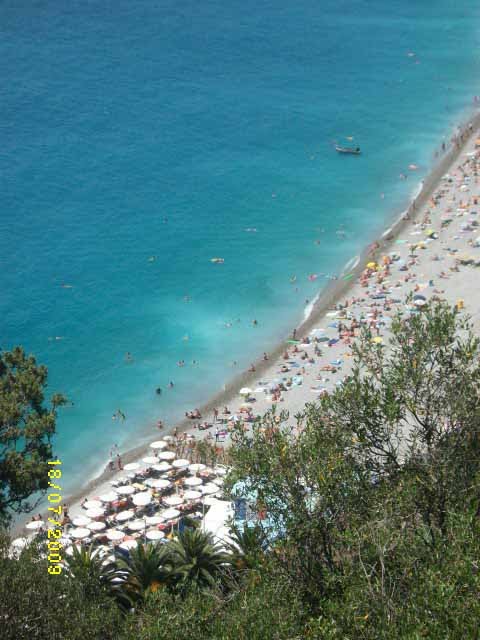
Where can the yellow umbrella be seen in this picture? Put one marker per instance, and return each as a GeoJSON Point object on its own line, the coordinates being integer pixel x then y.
{"type": "Point", "coordinates": [372, 265]}
{"type": "Point", "coordinates": [377, 340]}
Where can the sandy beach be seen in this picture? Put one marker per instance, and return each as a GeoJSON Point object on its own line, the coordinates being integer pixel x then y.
{"type": "Point", "coordinates": [430, 250]}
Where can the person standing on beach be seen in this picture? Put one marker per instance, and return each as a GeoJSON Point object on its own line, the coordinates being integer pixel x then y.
{"type": "Point", "coordinates": [119, 462]}
{"type": "Point", "coordinates": [215, 414]}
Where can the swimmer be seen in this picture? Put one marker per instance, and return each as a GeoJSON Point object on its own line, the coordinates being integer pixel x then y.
{"type": "Point", "coordinates": [158, 391]}
{"type": "Point", "coordinates": [170, 384]}
{"type": "Point", "coordinates": [255, 323]}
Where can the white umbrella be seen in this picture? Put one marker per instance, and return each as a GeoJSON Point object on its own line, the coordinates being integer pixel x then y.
{"type": "Point", "coordinates": [110, 496]}
{"type": "Point", "coordinates": [162, 467]}
{"type": "Point", "coordinates": [81, 521]}
{"type": "Point", "coordinates": [245, 391]}
{"type": "Point", "coordinates": [419, 302]}
{"type": "Point", "coordinates": [173, 501]}
{"type": "Point", "coordinates": [124, 515]}
{"type": "Point", "coordinates": [181, 463]}
{"type": "Point", "coordinates": [197, 466]}
{"type": "Point", "coordinates": [136, 525]}
{"type": "Point", "coordinates": [20, 543]}
{"type": "Point", "coordinates": [159, 483]}
{"type": "Point", "coordinates": [35, 524]}
{"type": "Point", "coordinates": [192, 495]}
{"type": "Point", "coordinates": [166, 455]}
{"type": "Point", "coordinates": [115, 535]}
{"type": "Point", "coordinates": [92, 504]}
{"type": "Point", "coordinates": [95, 513]}
{"type": "Point", "coordinates": [128, 544]}
{"type": "Point", "coordinates": [156, 519]}
{"type": "Point", "coordinates": [141, 499]}
{"type": "Point", "coordinates": [158, 444]}
{"type": "Point", "coordinates": [170, 514]}
{"type": "Point", "coordinates": [193, 481]}
{"type": "Point", "coordinates": [168, 438]}
{"type": "Point", "coordinates": [155, 534]}
{"type": "Point", "coordinates": [131, 466]}
{"type": "Point", "coordinates": [209, 489]}
{"type": "Point", "coordinates": [150, 460]}
{"type": "Point", "coordinates": [97, 526]}
{"type": "Point", "coordinates": [80, 533]}
{"type": "Point", "coordinates": [126, 489]}
{"type": "Point", "coordinates": [220, 471]}
{"type": "Point", "coordinates": [218, 481]}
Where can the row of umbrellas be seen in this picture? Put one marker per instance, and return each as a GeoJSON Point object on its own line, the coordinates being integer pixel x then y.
{"type": "Point", "coordinates": [90, 521]}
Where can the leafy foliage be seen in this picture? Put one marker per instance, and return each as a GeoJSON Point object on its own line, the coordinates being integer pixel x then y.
{"type": "Point", "coordinates": [26, 430]}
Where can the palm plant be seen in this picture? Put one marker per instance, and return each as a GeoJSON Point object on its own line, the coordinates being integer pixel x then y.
{"type": "Point", "coordinates": [198, 562]}
{"type": "Point", "coordinates": [247, 546]}
{"type": "Point", "coordinates": [86, 566]}
{"type": "Point", "coordinates": [148, 567]}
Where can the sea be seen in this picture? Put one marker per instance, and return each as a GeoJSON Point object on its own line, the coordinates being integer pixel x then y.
{"type": "Point", "coordinates": [139, 140]}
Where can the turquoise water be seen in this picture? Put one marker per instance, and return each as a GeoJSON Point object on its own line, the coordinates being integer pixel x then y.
{"type": "Point", "coordinates": [164, 130]}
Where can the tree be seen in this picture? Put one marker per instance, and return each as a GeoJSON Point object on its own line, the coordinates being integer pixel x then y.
{"type": "Point", "coordinates": [148, 567]}
{"type": "Point", "coordinates": [35, 604]}
{"type": "Point", "coordinates": [98, 578]}
{"type": "Point", "coordinates": [197, 562]}
{"type": "Point", "coordinates": [26, 430]}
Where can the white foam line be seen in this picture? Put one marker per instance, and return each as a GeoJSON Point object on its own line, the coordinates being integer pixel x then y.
{"type": "Point", "coordinates": [307, 312]}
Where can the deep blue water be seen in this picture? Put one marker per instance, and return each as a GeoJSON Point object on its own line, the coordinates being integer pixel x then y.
{"type": "Point", "coordinates": [137, 130]}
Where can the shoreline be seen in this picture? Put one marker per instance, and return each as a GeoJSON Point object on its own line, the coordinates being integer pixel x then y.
{"type": "Point", "coordinates": [329, 296]}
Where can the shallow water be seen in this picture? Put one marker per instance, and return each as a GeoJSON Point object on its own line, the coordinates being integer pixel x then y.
{"type": "Point", "coordinates": [139, 140]}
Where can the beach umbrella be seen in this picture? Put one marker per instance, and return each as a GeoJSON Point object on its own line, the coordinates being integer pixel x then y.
{"type": "Point", "coordinates": [170, 514]}
{"type": "Point", "coordinates": [193, 481]}
{"type": "Point", "coordinates": [209, 488]}
{"type": "Point", "coordinates": [192, 495]}
{"type": "Point", "coordinates": [158, 483]}
{"type": "Point", "coordinates": [168, 438]}
{"type": "Point", "coordinates": [95, 513]}
{"type": "Point", "coordinates": [20, 543]}
{"type": "Point", "coordinates": [126, 489]}
{"type": "Point", "coordinates": [173, 501]}
{"type": "Point", "coordinates": [181, 463]}
{"type": "Point", "coordinates": [115, 535]}
{"type": "Point", "coordinates": [34, 525]}
{"type": "Point", "coordinates": [158, 444]}
{"type": "Point", "coordinates": [80, 532]}
{"type": "Point", "coordinates": [124, 515]}
{"type": "Point", "coordinates": [137, 525]}
{"type": "Point", "coordinates": [110, 496]}
{"type": "Point", "coordinates": [154, 534]}
{"type": "Point", "coordinates": [150, 460]}
{"type": "Point", "coordinates": [153, 520]}
{"type": "Point", "coordinates": [197, 466]}
{"type": "Point", "coordinates": [218, 481]}
{"type": "Point", "coordinates": [166, 455]}
{"type": "Point", "coordinates": [131, 466]}
{"type": "Point", "coordinates": [419, 302]}
{"type": "Point", "coordinates": [142, 499]}
{"type": "Point", "coordinates": [128, 544]}
{"type": "Point", "coordinates": [92, 504]}
{"type": "Point", "coordinates": [162, 467]}
{"type": "Point", "coordinates": [245, 391]}
{"type": "Point", "coordinates": [81, 521]}
{"type": "Point", "coordinates": [220, 471]}
{"type": "Point", "coordinates": [377, 340]}
{"type": "Point", "coordinates": [97, 526]}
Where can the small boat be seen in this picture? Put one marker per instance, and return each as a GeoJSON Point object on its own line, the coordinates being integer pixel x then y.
{"type": "Point", "coordinates": [217, 260]}
{"type": "Point", "coordinates": [350, 150]}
